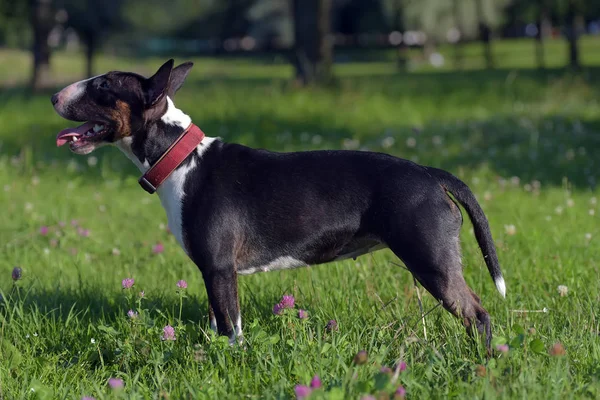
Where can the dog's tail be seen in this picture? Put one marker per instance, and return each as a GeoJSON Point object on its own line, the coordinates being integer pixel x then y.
{"type": "Point", "coordinates": [465, 197]}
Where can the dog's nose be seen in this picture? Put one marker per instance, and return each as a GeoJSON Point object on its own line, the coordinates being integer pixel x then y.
{"type": "Point", "coordinates": [54, 99]}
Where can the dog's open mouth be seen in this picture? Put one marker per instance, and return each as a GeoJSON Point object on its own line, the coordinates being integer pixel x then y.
{"type": "Point", "coordinates": [88, 133]}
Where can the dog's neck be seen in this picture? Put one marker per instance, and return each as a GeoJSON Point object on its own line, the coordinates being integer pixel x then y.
{"type": "Point", "coordinates": [146, 147]}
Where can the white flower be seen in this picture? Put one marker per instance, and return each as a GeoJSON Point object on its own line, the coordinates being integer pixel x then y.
{"type": "Point", "coordinates": [73, 166]}
{"type": "Point", "coordinates": [593, 201]}
{"type": "Point", "coordinates": [515, 180]}
{"type": "Point", "coordinates": [388, 142]}
{"type": "Point", "coordinates": [316, 140]}
{"type": "Point", "coordinates": [28, 206]}
{"type": "Point", "coordinates": [27, 336]}
{"type": "Point", "coordinates": [588, 236]}
{"type": "Point", "coordinates": [562, 290]}
{"type": "Point", "coordinates": [350, 144]}
{"type": "Point", "coordinates": [93, 340]}
{"type": "Point", "coordinates": [487, 196]}
{"type": "Point", "coordinates": [116, 252]}
{"type": "Point", "coordinates": [92, 161]}
{"type": "Point", "coordinates": [558, 210]}
{"type": "Point", "coordinates": [46, 251]}
{"type": "Point", "coordinates": [570, 202]}
{"type": "Point", "coordinates": [35, 180]}
{"type": "Point", "coordinates": [35, 334]}
{"type": "Point", "coordinates": [510, 229]}
{"type": "Point", "coordinates": [411, 142]}
{"type": "Point", "coordinates": [592, 212]}
{"type": "Point", "coordinates": [527, 187]}
{"type": "Point", "coordinates": [570, 154]}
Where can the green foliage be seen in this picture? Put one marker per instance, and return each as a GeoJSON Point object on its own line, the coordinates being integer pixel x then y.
{"type": "Point", "coordinates": [90, 17]}
{"type": "Point", "coordinates": [14, 19]}
{"type": "Point", "coordinates": [523, 140]}
{"type": "Point", "coordinates": [159, 17]}
{"type": "Point", "coordinates": [436, 17]}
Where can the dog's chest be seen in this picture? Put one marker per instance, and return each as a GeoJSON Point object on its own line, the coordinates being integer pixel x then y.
{"type": "Point", "coordinates": [172, 194]}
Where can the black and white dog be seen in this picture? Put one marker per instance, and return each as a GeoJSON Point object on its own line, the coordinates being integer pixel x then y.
{"type": "Point", "coordinates": [236, 210]}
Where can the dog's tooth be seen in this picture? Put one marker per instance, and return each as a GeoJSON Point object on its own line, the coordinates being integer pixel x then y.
{"type": "Point", "coordinates": [75, 139]}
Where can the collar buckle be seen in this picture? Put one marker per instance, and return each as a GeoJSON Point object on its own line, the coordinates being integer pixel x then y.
{"type": "Point", "coordinates": [146, 185]}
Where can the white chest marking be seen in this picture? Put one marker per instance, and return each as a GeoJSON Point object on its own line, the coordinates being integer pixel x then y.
{"type": "Point", "coordinates": [171, 194]}
{"type": "Point", "coordinates": [285, 262]}
{"type": "Point", "coordinates": [172, 190]}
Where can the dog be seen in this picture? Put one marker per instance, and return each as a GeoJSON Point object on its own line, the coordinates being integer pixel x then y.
{"type": "Point", "coordinates": [236, 210]}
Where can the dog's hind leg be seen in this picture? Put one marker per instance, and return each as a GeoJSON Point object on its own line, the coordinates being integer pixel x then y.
{"type": "Point", "coordinates": [221, 287]}
{"type": "Point", "coordinates": [444, 280]}
{"type": "Point", "coordinates": [431, 251]}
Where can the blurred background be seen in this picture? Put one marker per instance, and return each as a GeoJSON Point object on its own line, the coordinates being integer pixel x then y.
{"type": "Point", "coordinates": [309, 35]}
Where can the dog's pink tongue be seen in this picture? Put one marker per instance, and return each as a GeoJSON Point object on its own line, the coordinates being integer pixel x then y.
{"type": "Point", "coordinates": [66, 135]}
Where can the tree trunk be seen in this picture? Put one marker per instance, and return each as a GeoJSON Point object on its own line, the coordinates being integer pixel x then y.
{"type": "Point", "coordinates": [458, 53]}
{"type": "Point", "coordinates": [539, 37]}
{"type": "Point", "coordinates": [399, 27]}
{"type": "Point", "coordinates": [42, 20]}
{"type": "Point", "coordinates": [90, 49]}
{"type": "Point", "coordinates": [312, 56]}
{"type": "Point", "coordinates": [485, 34]}
{"type": "Point", "coordinates": [572, 35]}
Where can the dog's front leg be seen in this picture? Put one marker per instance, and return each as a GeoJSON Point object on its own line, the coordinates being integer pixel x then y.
{"type": "Point", "coordinates": [224, 306]}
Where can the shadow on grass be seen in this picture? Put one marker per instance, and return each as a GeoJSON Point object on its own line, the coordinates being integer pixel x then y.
{"type": "Point", "coordinates": [94, 305]}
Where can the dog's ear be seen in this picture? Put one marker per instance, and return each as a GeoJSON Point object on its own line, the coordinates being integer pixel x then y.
{"type": "Point", "coordinates": [178, 76]}
{"type": "Point", "coordinates": [159, 83]}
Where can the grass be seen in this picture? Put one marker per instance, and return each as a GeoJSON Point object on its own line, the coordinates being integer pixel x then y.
{"type": "Point", "coordinates": [525, 141]}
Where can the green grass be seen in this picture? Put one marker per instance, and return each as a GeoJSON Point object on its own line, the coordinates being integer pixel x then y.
{"type": "Point", "coordinates": [525, 141]}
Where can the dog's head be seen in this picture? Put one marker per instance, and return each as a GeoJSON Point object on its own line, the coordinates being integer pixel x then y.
{"type": "Point", "coordinates": [115, 105]}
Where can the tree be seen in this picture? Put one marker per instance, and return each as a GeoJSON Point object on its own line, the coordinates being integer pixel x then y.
{"type": "Point", "coordinates": [458, 50]}
{"type": "Point", "coordinates": [41, 14]}
{"type": "Point", "coordinates": [92, 20]}
{"type": "Point", "coordinates": [14, 27]}
{"type": "Point", "coordinates": [573, 10]}
{"type": "Point", "coordinates": [312, 54]}
{"type": "Point", "coordinates": [526, 11]}
{"type": "Point", "coordinates": [541, 20]}
{"type": "Point", "coordinates": [485, 34]}
{"type": "Point", "coordinates": [394, 10]}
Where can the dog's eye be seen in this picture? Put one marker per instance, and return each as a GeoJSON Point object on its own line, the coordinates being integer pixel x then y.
{"type": "Point", "coordinates": [104, 85]}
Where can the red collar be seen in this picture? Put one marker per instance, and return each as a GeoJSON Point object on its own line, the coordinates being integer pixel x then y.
{"type": "Point", "coordinates": [172, 158]}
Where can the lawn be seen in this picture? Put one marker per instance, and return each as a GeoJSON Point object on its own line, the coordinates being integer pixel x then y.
{"type": "Point", "coordinates": [527, 143]}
